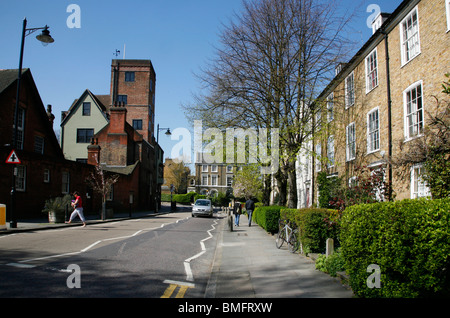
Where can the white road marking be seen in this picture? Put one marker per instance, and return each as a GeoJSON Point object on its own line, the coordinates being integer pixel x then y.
{"type": "Point", "coordinates": [168, 281]}
{"type": "Point", "coordinates": [22, 265]}
{"type": "Point", "coordinates": [187, 266]}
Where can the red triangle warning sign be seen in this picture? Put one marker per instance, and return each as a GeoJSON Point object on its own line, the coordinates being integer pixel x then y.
{"type": "Point", "coordinates": [12, 158]}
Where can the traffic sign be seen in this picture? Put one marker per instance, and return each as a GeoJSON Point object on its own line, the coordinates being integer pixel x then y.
{"type": "Point", "coordinates": [13, 159]}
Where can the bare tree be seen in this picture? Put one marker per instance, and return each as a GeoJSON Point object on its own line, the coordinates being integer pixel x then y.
{"type": "Point", "coordinates": [102, 184]}
{"type": "Point", "coordinates": [274, 60]}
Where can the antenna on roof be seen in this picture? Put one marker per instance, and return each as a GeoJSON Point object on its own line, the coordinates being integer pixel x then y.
{"type": "Point", "coordinates": [117, 53]}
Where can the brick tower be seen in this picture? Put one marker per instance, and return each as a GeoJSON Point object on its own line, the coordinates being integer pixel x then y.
{"type": "Point", "coordinates": [133, 84]}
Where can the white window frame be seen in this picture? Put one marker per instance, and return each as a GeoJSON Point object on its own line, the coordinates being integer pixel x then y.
{"type": "Point", "coordinates": [65, 182]}
{"type": "Point", "coordinates": [330, 152]}
{"type": "Point", "coordinates": [229, 181]}
{"type": "Point", "coordinates": [411, 38]}
{"type": "Point", "coordinates": [350, 144]}
{"type": "Point", "coordinates": [21, 178]}
{"type": "Point", "coordinates": [214, 180]}
{"type": "Point", "coordinates": [330, 107]}
{"type": "Point", "coordinates": [350, 100]}
{"type": "Point", "coordinates": [20, 131]}
{"type": "Point", "coordinates": [39, 144]}
{"type": "Point", "coordinates": [373, 133]}
{"type": "Point", "coordinates": [204, 168]}
{"type": "Point", "coordinates": [371, 71]}
{"type": "Point", "coordinates": [203, 178]}
{"type": "Point", "coordinates": [46, 175]}
{"type": "Point", "coordinates": [214, 168]}
{"type": "Point", "coordinates": [229, 169]}
{"type": "Point", "coordinates": [413, 114]}
{"type": "Point", "coordinates": [419, 188]}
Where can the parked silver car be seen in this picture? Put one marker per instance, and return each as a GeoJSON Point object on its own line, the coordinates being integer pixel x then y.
{"type": "Point", "coordinates": [202, 207]}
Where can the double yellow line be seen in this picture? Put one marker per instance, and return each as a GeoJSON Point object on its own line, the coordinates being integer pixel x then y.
{"type": "Point", "coordinates": [183, 287]}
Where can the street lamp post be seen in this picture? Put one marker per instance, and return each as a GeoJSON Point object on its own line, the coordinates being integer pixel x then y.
{"type": "Point", "coordinates": [45, 38]}
{"type": "Point", "coordinates": [168, 133]}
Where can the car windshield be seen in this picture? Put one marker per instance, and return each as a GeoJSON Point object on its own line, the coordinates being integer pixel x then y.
{"type": "Point", "coordinates": [202, 202]}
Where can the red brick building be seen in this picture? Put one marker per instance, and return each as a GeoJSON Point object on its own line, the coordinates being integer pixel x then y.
{"type": "Point", "coordinates": [133, 83]}
{"type": "Point", "coordinates": [121, 150]}
{"type": "Point", "coordinates": [122, 125]}
{"type": "Point", "coordinates": [43, 172]}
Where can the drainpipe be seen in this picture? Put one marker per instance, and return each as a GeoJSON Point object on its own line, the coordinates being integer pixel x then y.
{"type": "Point", "coordinates": [389, 100]}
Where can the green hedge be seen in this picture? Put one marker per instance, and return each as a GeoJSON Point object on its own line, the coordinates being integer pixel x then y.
{"type": "Point", "coordinates": [409, 240]}
{"type": "Point", "coordinates": [267, 217]}
{"type": "Point", "coordinates": [315, 226]}
{"type": "Point", "coordinates": [187, 198]}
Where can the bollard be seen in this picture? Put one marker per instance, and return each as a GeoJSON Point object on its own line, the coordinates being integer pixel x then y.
{"type": "Point", "coordinates": [2, 217]}
{"type": "Point", "coordinates": [230, 222]}
{"type": "Point", "coordinates": [329, 247]}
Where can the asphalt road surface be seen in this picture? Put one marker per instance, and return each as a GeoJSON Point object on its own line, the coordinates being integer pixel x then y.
{"type": "Point", "coordinates": [164, 256]}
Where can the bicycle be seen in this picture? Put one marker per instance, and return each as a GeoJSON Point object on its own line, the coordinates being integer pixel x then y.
{"type": "Point", "coordinates": [286, 231]}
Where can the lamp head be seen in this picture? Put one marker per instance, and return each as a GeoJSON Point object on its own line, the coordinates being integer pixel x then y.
{"type": "Point", "coordinates": [45, 37]}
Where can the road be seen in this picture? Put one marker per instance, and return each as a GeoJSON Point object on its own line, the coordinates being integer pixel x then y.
{"type": "Point", "coordinates": [163, 256]}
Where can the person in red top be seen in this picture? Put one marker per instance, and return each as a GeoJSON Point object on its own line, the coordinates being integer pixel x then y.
{"type": "Point", "coordinates": [78, 209]}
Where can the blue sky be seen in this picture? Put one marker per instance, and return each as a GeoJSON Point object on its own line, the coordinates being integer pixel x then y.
{"type": "Point", "coordinates": [177, 35]}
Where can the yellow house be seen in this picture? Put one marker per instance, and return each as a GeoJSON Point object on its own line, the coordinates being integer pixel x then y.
{"type": "Point", "coordinates": [379, 101]}
{"type": "Point", "coordinates": [80, 123]}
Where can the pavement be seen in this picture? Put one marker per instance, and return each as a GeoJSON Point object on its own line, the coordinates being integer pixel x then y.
{"type": "Point", "coordinates": [247, 263]}
{"type": "Point", "coordinates": [38, 224]}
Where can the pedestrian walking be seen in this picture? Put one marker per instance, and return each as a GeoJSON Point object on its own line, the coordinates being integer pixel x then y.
{"type": "Point", "coordinates": [237, 210]}
{"type": "Point", "coordinates": [77, 205]}
{"type": "Point", "coordinates": [250, 207]}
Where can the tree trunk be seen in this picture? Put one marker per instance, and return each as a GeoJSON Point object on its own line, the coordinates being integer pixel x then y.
{"type": "Point", "coordinates": [267, 189]}
{"type": "Point", "coordinates": [282, 187]}
{"type": "Point", "coordinates": [292, 185]}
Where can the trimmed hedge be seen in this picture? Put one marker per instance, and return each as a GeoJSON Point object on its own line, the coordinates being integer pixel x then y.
{"type": "Point", "coordinates": [187, 198]}
{"type": "Point", "coordinates": [267, 217]}
{"type": "Point", "coordinates": [315, 226]}
{"type": "Point", "coordinates": [409, 240]}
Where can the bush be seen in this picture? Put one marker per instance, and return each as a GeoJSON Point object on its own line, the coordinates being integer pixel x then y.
{"type": "Point", "coordinates": [409, 240]}
{"type": "Point", "coordinates": [331, 264]}
{"type": "Point", "coordinates": [267, 217]}
{"type": "Point", "coordinates": [315, 226]}
{"type": "Point", "coordinates": [222, 199]}
{"type": "Point", "coordinates": [179, 198]}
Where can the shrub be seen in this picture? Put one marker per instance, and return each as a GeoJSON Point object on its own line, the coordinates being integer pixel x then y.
{"type": "Point", "coordinates": [331, 264]}
{"type": "Point", "coordinates": [179, 198]}
{"type": "Point", "coordinates": [165, 197]}
{"type": "Point", "coordinates": [334, 263]}
{"type": "Point", "coordinates": [315, 226]}
{"type": "Point", "coordinates": [222, 199]}
{"type": "Point", "coordinates": [409, 240]}
{"type": "Point", "coordinates": [267, 217]}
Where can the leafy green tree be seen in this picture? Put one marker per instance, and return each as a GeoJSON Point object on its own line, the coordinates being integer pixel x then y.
{"type": "Point", "coordinates": [248, 182]}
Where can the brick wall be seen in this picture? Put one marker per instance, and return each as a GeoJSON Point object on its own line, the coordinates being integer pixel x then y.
{"type": "Point", "coordinates": [428, 67]}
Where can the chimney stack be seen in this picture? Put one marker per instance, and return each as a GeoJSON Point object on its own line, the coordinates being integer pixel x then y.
{"type": "Point", "coordinates": [118, 118]}
{"type": "Point", "coordinates": [94, 152]}
{"type": "Point", "coordinates": [51, 117]}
